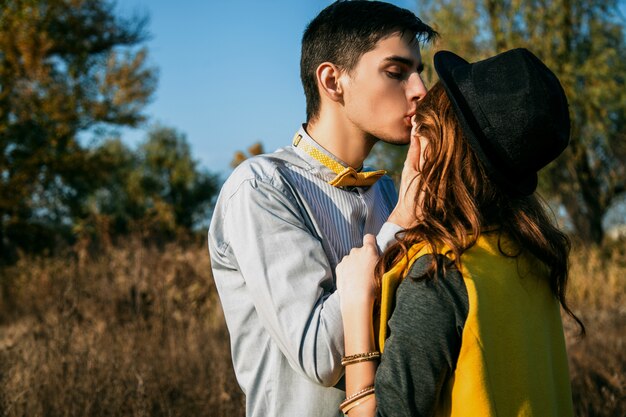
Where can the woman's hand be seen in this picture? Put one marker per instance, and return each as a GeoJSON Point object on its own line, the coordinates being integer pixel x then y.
{"type": "Point", "coordinates": [355, 277]}
{"type": "Point", "coordinates": [405, 212]}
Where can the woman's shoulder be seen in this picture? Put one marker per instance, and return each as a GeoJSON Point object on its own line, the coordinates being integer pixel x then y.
{"type": "Point", "coordinates": [443, 290]}
{"type": "Point", "coordinates": [422, 269]}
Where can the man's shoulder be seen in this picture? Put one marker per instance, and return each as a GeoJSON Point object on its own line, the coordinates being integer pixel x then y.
{"type": "Point", "coordinates": [267, 168]}
{"type": "Point", "coordinates": [260, 178]}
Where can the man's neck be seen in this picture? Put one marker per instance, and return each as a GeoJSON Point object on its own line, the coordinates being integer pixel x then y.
{"type": "Point", "coordinates": [343, 140]}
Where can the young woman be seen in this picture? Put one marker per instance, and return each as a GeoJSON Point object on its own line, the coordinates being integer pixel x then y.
{"type": "Point", "coordinates": [467, 301]}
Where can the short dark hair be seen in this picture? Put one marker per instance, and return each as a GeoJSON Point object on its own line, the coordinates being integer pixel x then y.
{"type": "Point", "coordinates": [346, 30]}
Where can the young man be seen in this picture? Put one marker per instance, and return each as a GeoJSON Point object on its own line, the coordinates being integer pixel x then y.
{"type": "Point", "coordinates": [283, 221]}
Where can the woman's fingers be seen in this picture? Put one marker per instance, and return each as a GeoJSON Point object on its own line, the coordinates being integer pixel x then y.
{"type": "Point", "coordinates": [355, 274]}
{"type": "Point", "coordinates": [370, 240]}
{"type": "Point", "coordinates": [412, 156]}
{"type": "Point", "coordinates": [368, 250]}
{"type": "Point", "coordinates": [404, 212]}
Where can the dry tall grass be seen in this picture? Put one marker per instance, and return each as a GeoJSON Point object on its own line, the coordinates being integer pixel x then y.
{"type": "Point", "coordinates": [598, 362]}
{"type": "Point", "coordinates": [138, 331]}
{"type": "Point", "coordinates": [135, 331]}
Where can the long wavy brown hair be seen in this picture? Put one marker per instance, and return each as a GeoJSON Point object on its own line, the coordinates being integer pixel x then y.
{"type": "Point", "coordinates": [458, 202]}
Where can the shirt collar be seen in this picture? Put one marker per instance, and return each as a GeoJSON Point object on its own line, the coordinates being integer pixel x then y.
{"type": "Point", "coordinates": [318, 168]}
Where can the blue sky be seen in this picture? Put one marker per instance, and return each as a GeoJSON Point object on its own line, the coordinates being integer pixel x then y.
{"type": "Point", "coordinates": [228, 72]}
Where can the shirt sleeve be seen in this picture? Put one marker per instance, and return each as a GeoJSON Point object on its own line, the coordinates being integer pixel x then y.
{"type": "Point", "coordinates": [387, 235]}
{"type": "Point", "coordinates": [286, 269]}
{"type": "Point", "coordinates": [425, 338]}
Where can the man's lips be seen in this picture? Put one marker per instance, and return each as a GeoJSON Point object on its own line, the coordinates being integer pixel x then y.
{"type": "Point", "coordinates": [408, 117]}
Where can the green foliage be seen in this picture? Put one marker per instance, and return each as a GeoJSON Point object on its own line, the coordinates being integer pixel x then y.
{"type": "Point", "coordinates": [171, 176]}
{"type": "Point", "coordinates": [158, 189]}
{"type": "Point", "coordinates": [65, 67]}
{"type": "Point", "coordinates": [583, 42]}
{"type": "Point", "coordinates": [390, 158]}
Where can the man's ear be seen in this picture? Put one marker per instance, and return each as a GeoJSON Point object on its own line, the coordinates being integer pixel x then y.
{"type": "Point", "coordinates": [329, 81]}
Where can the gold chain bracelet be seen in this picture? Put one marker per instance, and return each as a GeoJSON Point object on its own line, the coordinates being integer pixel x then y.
{"type": "Point", "coordinates": [360, 357]}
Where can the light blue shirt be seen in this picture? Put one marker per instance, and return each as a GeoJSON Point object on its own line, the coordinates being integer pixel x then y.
{"type": "Point", "coordinates": [278, 231]}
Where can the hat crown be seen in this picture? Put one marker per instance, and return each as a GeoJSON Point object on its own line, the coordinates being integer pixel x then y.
{"type": "Point", "coordinates": [513, 111]}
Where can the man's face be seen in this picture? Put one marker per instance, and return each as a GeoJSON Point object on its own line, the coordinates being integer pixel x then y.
{"type": "Point", "coordinates": [381, 92]}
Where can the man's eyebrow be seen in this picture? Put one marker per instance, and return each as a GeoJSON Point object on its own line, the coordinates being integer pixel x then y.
{"type": "Point", "coordinates": [406, 61]}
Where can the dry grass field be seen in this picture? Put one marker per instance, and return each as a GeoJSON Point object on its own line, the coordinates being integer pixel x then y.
{"type": "Point", "coordinates": [135, 330]}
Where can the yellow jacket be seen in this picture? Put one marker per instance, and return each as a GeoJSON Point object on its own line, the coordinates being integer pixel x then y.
{"type": "Point", "coordinates": [512, 360]}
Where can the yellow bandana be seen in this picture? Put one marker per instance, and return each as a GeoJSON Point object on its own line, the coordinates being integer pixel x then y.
{"type": "Point", "coordinates": [346, 176]}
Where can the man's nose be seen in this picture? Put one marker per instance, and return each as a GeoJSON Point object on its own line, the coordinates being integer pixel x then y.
{"type": "Point", "coordinates": [416, 88]}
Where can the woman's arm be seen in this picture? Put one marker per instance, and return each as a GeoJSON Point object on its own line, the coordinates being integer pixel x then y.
{"type": "Point", "coordinates": [425, 334]}
{"type": "Point", "coordinates": [355, 284]}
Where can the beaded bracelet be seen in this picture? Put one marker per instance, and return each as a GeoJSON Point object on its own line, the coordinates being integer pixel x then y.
{"type": "Point", "coordinates": [360, 357]}
{"type": "Point", "coordinates": [355, 397]}
{"type": "Point", "coordinates": [356, 403]}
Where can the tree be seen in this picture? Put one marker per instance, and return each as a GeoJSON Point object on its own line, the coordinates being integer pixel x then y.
{"type": "Point", "coordinates": [117, 201]}
{"type": "Point", "coordinates": [158, 188]}
{"type": "Point", "coordinates": [254, 150]}
{"type": "Point", "coordinates": [583, 42]}
{"type": "Point", "coordinates": [172, 177]}
{"type": "Point", "coordinates": [66, 67]}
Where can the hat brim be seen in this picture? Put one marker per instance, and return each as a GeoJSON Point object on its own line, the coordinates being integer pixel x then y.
{"type": "Point", "coordinates": [445, 62]}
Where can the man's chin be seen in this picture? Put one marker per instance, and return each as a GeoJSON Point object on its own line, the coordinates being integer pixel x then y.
{"type": "Point", "coordinates": [397, 140]}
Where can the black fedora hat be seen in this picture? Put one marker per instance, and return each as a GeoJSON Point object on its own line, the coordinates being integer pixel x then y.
{"type": "Point", "coordinates": [513, 111]}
